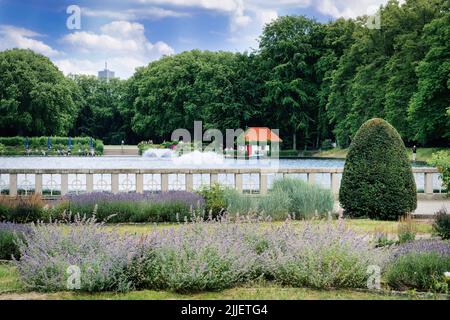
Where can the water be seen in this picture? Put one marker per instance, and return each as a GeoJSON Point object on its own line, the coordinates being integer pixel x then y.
{"type": "Point", "coordinates": [163, 159]}
{"type": "Point", "coordinates": [159, 153]}
{"type": "Point", "coordinates": [185, 161]}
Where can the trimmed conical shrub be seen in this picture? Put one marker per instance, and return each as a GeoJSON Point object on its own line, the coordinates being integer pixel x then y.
{"type": "Point", "coordinates": [377, 181]}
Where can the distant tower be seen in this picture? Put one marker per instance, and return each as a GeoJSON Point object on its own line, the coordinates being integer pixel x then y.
{"type": "Point", "coordinates": [106, 74]}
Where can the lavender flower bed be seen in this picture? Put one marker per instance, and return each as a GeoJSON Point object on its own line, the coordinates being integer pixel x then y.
{"type": "Point", "coordinates": [168, 206]}
{"type": "Point", "coordinates": [102, 257]}
{"type": "Point", "coordinates": [420, 265]}
{"type": "Point", "coordinates": [423, 246]}
{"type": "Point", "coordinates": [15, 227]}
{"type": "Point", "coordinates": [320, 256]}
{"type": "Point", "coordinates": [196, 256]}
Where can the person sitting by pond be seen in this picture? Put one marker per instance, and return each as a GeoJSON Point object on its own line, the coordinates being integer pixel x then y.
{"type": "Point", "coordinates": [414, 150]}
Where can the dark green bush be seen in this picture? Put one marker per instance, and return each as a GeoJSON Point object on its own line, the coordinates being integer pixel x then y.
{"type": "Point", "coordinates": [377, 181]}
{"type": "Point", "coordinates": [8, 247]}
{"type": "Point", "coordinates": [421, 271]}
{"type": "Point", "coordinates": [10, 234]}
{"type": "Point", "coordinates": [441, 224]}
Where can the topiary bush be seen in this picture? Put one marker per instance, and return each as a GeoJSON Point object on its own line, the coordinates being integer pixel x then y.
{"type": "Point", "coordinates": [377, 181]}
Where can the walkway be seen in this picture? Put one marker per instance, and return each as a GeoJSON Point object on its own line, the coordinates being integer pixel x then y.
{"type": "Point", "coordinates": [425, 208]}
{"type": "Point", "coordinates": [115, 150]}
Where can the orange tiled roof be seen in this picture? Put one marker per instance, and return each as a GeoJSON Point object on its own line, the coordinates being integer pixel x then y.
{"type": "Point", "coordinates": [258, 134]}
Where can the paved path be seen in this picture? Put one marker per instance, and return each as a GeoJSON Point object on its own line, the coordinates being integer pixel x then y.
{"type": "Point", "coordinates": [110, 150]}
{"type": "Point", "coordinates": [429, 207]}
{"type": "Point", "coordinates": [425, 207]}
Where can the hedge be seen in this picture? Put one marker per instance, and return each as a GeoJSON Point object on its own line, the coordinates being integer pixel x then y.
{"type": "Point", "coordinates": [16, 145]}
{"type": "Point", "coordinates": [377, 181]}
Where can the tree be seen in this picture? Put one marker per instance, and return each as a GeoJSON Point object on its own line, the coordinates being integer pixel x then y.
{"type": "Point", "coordinates": [290, 46]}
{"type": "Point", "coordinates": [35, 97]}
{"type": "Point", "coordinates": [429, 105]}
{"type": "Point", "coordinates": [103, 112]}
{"type": "Point", "coordinates": [214, 87]}
{"type": "Point", "coordinates": [377, 181]}
{"type": "Point", "coordinates": [377, 76]}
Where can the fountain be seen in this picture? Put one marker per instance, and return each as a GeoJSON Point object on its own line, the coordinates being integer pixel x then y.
{"type": "Point", "coordinates": [159, 153]}
{"type": "Point", "coordinates": [199, 158]}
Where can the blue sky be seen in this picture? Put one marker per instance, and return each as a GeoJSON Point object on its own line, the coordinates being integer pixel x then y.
{"type": "Point", "coordinates": [129, 34]}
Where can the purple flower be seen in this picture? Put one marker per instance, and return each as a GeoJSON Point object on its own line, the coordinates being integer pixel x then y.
{"type": "Point", "coordinates": [422, 246]}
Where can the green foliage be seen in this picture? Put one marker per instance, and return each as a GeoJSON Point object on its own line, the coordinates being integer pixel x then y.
{"type": "Point", "coordinates": [35, 97]}
{"type": "Point", "coordinates": [214, 200]}
{"type": "Point", "coordinates": [105, 111]}
{"type": "Point", "coordinates": [422, 271]}
{"type": "Point", "coordinates": [16, 145]}
{"type": "Point", "coordinates": [313, 81]}
{"type": "Point", "coordinates": [8, 245]}
{"type": "Point", "coordinates": [238, 203]}
{"type": "Point", "coordinates": [306, 200]}
{"type": "Point", "coordinates": [427, 109]}
{"type": "Point", "coordinates": [377, 181]}
{"type": "Point", "coordinates": [398, 72]}
{"type": "Point", "coordinates": [215, 87]}
{"type": "Point", "coordinates": [441, 160]}
{"type": "Point", "coordinates": [287, 196]}
{"type": "Point", "coordinates": [441, 224]}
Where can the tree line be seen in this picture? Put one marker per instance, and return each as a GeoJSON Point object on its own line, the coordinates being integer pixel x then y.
{"type": "Point", "coordinates": [313, 81]}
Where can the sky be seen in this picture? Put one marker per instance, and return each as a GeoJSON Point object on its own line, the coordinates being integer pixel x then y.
{"type": "Point", "coordinates": [131, 33]}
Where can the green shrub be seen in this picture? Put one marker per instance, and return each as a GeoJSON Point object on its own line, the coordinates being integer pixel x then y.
{"type": "Point", "coordinates": [276, 205]}
{"type": "Point", "coordinates": [10, 235]}
{"type": "Point", "coordinates": [15, 145]}
{"type": "Point", "coordinates": [421, 271]}
{"type": "Point", "coordinates": [238, 203]}
{"type": "Point", "coordinates": [287, 196]}
{"type": "Point", "coordinates": [214, 199]}
{"type": "Point", "coordinates": [8, 247]}
{"type": "Point", "coordinates": [377, 181]}
{"type": "Point", "coordinates": [305, 199]}
{"type": "Point", "coordinates": [441, 160]}
{"type": "Point", "coordinates": [441, 224]}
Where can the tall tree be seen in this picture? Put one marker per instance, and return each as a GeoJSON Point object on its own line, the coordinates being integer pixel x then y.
{"type": "Point", "coordinates": [35, 97]}
{"type": "Point", "coordinates": [290, 47]}
{"type": "Point", "coordinates": [428, 110]}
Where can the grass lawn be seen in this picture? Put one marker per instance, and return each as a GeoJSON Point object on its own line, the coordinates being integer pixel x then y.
{"type": "Point", "coordinates": [10, 288]}
{"type": "Point", "coordinates": [358, 225]}
{"type": "Point", "coordinates": [423, 154]}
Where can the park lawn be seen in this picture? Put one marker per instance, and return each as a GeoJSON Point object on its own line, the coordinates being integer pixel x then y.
{"type": "Point", "coordinates": [362, 226]}
{"type": "Point", "coordinates": [10, 288]}
{"type": "Point", "coordinates": [423, 154]}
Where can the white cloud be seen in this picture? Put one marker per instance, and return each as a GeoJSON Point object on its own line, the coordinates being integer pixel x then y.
{"type": "Point", "coordinates": [123, 44]}
{"type": "Point", "coordinates": [14, 37]}
{"type": "Point", "coordinates": [122, 66]}
{"type": "Point", "coordinates": [348, 8]}
{"type": "Point", "coordinates": [133, 14]}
